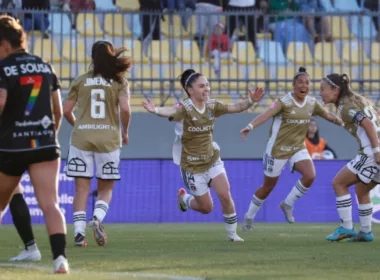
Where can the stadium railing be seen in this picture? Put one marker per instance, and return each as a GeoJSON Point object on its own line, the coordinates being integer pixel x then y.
{"type": "Point", "coordinates": [179, 42]}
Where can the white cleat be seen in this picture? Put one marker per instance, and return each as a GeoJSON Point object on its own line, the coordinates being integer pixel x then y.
{"type": "Point", "coordinates": [181, 204]}
{"type": "Point", "coordinates": [100, 235]}
{"type": "Point", "coordinates": [60, 265]}
{"type": "Point", "coordinates": [288, 211]}
{"type": "Point", "coordinates": [27, 256]}
{"type": "Point", "coordinates": [235, 238]}
{"type": "Point", "coordinates": [248, 224]}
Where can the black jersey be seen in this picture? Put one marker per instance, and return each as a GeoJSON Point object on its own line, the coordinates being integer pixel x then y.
{"type": "Point", "coordinates": [27, 121]}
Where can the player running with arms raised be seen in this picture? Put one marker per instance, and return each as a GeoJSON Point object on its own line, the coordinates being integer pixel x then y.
{"type": "Point", "coordinates": [291, 115]}
{"type": "Point", "coordinates": [361, 121]}
{"type": "Point", "coordinates": [96, 137]}
{"type": "Point", "coordinates": [198, 155]}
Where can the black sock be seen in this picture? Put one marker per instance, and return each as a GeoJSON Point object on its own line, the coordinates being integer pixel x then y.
{"type": "Point", "coordinates": [21, 219]}
{"type": "Point", "coordinates": [58, 245]}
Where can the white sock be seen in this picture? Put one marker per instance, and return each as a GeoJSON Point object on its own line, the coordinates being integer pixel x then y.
{"type": "Point", "coordinates": [230, 222]}
{"type": "Point", "coordinates": [100, 211]}
{"type": "Point", "coordinates": [32, 247]}
{"type": "Point", "coordinates": [344, 207]}
{"type": "Point", "coordinates": [187, 198]}
{"type": "Point", "coordinates": [297, 191]}
{"type": "Point", "coordinates": [254, 207]}
{"type": "Point", "coordinates": [79, 219]}
{"type": "Point", "coordinates": [365, 217]}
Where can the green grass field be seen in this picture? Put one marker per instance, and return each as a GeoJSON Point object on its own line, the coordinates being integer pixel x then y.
{"type": "Point", "coordinates": [200, 251]}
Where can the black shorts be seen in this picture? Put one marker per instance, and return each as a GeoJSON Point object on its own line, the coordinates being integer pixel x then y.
{"type": "Point", "coordinates": [16, 163]}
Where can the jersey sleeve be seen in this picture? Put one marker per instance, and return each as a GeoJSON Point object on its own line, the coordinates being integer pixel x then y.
{"type": "Point", "coordinates": [276, 107]}
{"type": "Point", "coordinates": [319, 110]}
{"type": "Point", "coordinates": [3, 79]}
{"type": "Point", "coordinates": [220, 109]}
{"type": "Point", "coordinates": [73, 91]}
{"type": "Point", "coordinates": [179, 114]}
{"type": "Point", "coordinates": [353, 115]}
{"type": "Point", "coordinates": [56, 84]}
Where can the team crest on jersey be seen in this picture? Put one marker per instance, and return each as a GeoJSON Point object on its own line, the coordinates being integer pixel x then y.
{"type": "Point", "coordinates": [309, 112]}
{"type": "Point", "coordinates": [211, 115]}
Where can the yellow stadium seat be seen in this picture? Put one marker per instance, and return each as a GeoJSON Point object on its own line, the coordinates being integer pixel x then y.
{"type": "Point", "coordinates": [286, 73]}
{"type": "Point", "coordinates": [350, 72]}
{"type": "Point", "coordinates": [264, 36]}
{"type": "Point", "coordinates": [173, 71]}
{"type": "Point", "coordinates": [173, 28]}
{"type": "Point", "coordinates": [135, 51]}
{"type": "Point", "coordinates": [47, 50]}
{"type": "Point", "coordinates": [65, 74]}
{"type": "Point", "coordinates": [254, 74]}
{"type": "Point", "coordinates": [371, 73]}
{"type": "Point", "coordinates": [326, 54]}
{"type": "Point", "coordinates": [136, 103]}
{"type": "Point", "coordinates": [115, 25]}
{"type": "Point", "coordinates": [75, 51]}
{"type": "Point", "coordinates": [128, 5]}
{"type": "Point", "coordinates": [232, 73]}
{"type": "Point", "coordinates": [188, 52]}
{"type": "Point", "coordinates": [340, 30]}
{"type": "Point", "coordinates": [159, 52]}
{"type": "Point", "coordinates": [353, 54]}
{"type": "Point", "coordinates": [299, 53]}
{"type": "Point", "coordinates": [375, 52]}
{"type": "Point", "coordinates": [147, 73]}
{"type": "Point", "coordinates": [316, 73]}
{"type": "Point", "coordinates": [224, 98]}
{"type": "Point", "coordinates": [88, 25]}
{"type": "Point", "coordinates": [244, 53]}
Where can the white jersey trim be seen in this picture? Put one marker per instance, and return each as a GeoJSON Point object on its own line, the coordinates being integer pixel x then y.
{"type": "Point", "coordinates": [275, 129]}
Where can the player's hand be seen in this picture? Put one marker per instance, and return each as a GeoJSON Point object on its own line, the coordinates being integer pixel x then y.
{"type": "Point", "coordinates": [124, 137]}
{"type": "Point", "coordinates": [149, 105]}
{"type": "Point", "coordinates": [339, 121]}
{"type": "Point", "coordinates": [377, 157]}
{"type": "Point", "coordinates": [256, 95]}
{"type": "Point", "coordinates": [244, 132]}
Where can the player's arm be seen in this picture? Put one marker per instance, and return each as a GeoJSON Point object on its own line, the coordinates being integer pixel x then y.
{"type": "Point", "coordinates": [242, 105]}
{"type": "Point", "coordinates": [273, 110]}
{"type": "Point", "coordinates": [71, 101]}
{"type": "Point", "coordinates": [165, 112]}
{"type": "Point", "coordinates": [57, 108]}
{"type": "Point", "coordinates": [329, 116]}
{"type": "Point", "coordinates": [125, 108]}
{"type": "Point", "coordinates": [3, 99]}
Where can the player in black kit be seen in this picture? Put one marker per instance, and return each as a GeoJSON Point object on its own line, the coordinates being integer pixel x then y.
{"type": "Point", "coordinates": [30, 116]}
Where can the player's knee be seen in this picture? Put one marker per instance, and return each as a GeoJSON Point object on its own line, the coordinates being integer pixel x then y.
{"type": "Point", "coordinates": [48, 206]}
{"type": "Point", "coordinates": [206, 208]}
{"type": "Point", "coordinates": [336, 183]}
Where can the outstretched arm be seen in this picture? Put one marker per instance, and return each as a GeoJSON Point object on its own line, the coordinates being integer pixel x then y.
{"type": "Point", "coordinates": [159, 111]}
{"type": "Point", "coordinates": [243, 105]}
{"type": "Point", "coordinates": [331, 117]}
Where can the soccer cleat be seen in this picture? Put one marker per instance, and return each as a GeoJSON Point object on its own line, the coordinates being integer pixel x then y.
{"type": "Point", "coordinates": [362, 237]}
{"type": "Point", "coordinates": [27, 256]}
{"type": "Point", "coordinates": [80, 240]}
{"type": "Point", "coordinates": [60, 265]}
{"type": "Point", "coordinates": [100, 235]}
{"type": "Point", "coordinates": [248, 224]}
{"type": "Point", "coordinates": [341, 233]}
{"type": "Point", "coordinates": [181, 204]}
{"type": "Point", "coordinates": [235, 238]}
{"type": "Point", "coordinates": [288, 211]}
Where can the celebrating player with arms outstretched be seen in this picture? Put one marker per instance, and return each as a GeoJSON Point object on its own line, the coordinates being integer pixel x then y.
{"type": "Point", "coordinates": [198, 155]}
{"type": "Point", "coordinates": [95, 142]}
{"type": "Point", "coordinates": [362, 121]}
{"type": "Point", "coordinates": [291, 115]}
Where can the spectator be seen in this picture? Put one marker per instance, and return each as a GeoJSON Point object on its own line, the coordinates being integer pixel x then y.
{"type": "Point", "coordinates": [287, 29]}
{"type": "Point", "coordinates": [150, 22]}
{"type": "Point", "coordinates": [36, 21]}
{"type": "Point", "coordinates": [373, 5]}
{"type": "Point", "coordinates": [207, 21]}
{"type": "Point", "coordinates": [218, 46]}
{"type": "Point", "coordinates": [317, 26]}
{"type": "Point", "coordinates": [317, 147]}
{"type": "Point", "coordinates": [79, 5]}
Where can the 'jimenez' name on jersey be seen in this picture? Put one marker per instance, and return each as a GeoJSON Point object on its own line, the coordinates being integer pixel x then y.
{"type": "Point", "coordinates": [198, 152]}
{"type": "Point", "coordinates": [97, 127]}
{"type": "Point", "coordinates": [352, 111]}
{"type": "Point", "coordinates": [289, 126]}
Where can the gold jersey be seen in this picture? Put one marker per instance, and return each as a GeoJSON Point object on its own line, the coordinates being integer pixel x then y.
{"type": "Point", "coordinates": [197, 150]}
{"type": "Point", "coordinates": [97, 125]}
{"type": "Point", "coordinates": [290, 123]}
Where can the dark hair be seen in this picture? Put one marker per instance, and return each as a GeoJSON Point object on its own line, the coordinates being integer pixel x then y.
{"type": "Point", "coordinates": [187, 79]}
{"type": "Point", "coordinates": [342, 82]}
{"type": "Point", "coordinates": [12, 31]}
{"type": "Point", "coordinates": [316, 136]}
{"type": "Point", "coordinates": [301, 71]}
{"type": "Point", "coordinates": [107, 62]}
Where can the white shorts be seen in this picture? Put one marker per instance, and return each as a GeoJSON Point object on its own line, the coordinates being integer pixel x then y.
{"type": "Point", "coordinates": [198, 184]}
{"type": "Point", "coordinates": [273, 166]}
{"type": "Point", "coordinates": [365, 168]}
{"type": "Point", "coordinates": [81, 164]}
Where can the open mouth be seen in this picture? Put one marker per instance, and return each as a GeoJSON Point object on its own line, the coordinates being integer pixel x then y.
{"type": "Point", "coordinates": [303, 91]}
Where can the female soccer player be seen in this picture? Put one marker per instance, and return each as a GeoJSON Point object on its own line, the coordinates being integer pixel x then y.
{"type": "Point", "coordinates": [198, 155]}
{"type": "Point", "coordinates": [291, 115]}
{"type": "Point", "coordinates": [96, 136]}
{"type": "Point", "coordinates": [362, 121]}
{"type": "Point", "coordinates": [30, 117]}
